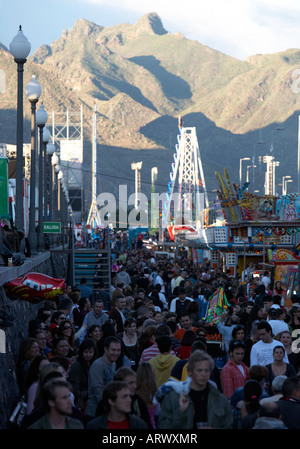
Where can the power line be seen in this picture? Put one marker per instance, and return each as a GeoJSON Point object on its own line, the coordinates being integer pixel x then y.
{"type": "Point", "coordinates": [119, 177]}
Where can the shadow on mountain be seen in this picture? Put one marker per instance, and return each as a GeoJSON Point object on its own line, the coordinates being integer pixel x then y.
{"type": "Point", "coordinates": [120, 86]}
{"type": "Point", "coordinates": [163, 131]}
{"type": "Point", "coordinates": [101, 93]}
{"type": "Point", "coordinates": [173, 86]}
{"type": "Point", "coordinates": [114, 169]}
{"type": "Point", "coordinates": [8, 127]}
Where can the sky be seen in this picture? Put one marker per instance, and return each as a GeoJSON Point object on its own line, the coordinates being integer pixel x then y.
{"type": "Point", "coordinates": [238, 28]}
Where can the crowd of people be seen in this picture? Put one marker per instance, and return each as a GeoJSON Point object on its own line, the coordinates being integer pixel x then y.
{"type": "Point", "coordinates": [139, 356]}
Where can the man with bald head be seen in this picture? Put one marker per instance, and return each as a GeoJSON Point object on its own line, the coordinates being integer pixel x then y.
{"type": "Point", "coordinates": [269, 417]}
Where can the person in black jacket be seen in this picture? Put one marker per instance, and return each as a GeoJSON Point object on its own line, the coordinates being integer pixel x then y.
{"type": "Point", "coordinates": [117, 409]}
{"type": "Point", "coordinates": [289, 404]}
{"type": "Point", "coordinates": [117, 313]}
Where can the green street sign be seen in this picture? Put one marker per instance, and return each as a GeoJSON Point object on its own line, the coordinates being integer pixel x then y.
{"type": "Point", "coordinates": [51, 227]}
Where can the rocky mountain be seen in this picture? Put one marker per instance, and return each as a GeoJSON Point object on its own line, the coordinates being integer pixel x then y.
{"type": "Point", "coordinates": [142, 79]}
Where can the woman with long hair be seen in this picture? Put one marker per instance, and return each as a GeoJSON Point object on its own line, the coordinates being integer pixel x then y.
{"type": "Point", "coordinates": [28, 350]}
{"type": "Point", "coordinates": [129, 338]}
{"type": "Point", "coordinates": [79, 371]}
{"type": "Point", "coordinates": [146, 339]}
{"type": "Point", "coordinates": [95, 333]}
{"type": "Point", "coordinates": [294, 321]}
{"type": "Point", "coordinates": [49, 371]}
{"type": "Point", "coordinates": [278, 290]}
{"type": "Point", "coordinates": [278, 367]}
{"type": "Point", "coordinates": [60, 348]}
{"type": "Point", "coordinates": [156, 300]}
{"type": "Point", "coordinates": [157, 317]}
{"type": "Point", "coordinates": [146, 388]}
{"type": "Point", "coordinates": [66, 330]}
{"type": "Point", "coordinates": [31, 380]}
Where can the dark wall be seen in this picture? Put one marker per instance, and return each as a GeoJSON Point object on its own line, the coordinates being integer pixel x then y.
{"type": "Point", "coordinates": [22, 312]}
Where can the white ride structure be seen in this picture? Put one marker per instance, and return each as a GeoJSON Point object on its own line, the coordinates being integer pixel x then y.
{"type": "Point", "coordinates": [187, 195]}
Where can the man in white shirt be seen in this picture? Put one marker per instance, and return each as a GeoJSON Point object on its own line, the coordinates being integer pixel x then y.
{"type": "Point", "coordinates": [262, 351]}
{"type": "Point", "coordinates": [159, 280]}
{"type": "Point", "coordinates": [266, 280]}
{"type": "Point", "coordinates": [180, 304]}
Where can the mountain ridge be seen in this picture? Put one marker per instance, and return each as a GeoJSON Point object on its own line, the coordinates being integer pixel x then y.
{"type": "Point", "coordinates": [143, 78]}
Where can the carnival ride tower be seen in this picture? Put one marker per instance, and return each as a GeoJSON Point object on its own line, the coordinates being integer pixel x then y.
{"type": "Point", "coordinates": [187, 195]}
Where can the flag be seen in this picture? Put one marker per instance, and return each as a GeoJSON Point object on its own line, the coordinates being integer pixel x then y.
{"type": "Point", "coordinates": [217, 304]}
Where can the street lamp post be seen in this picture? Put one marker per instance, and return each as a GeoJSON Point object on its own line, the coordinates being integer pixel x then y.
{"type": "Point", "coordinates": [54, 162]}
{"type": "Point", "coordinates": [284, 184]}
{"type": "Point", "coordinates": [46, 138]}
{"type": "Point", "coordinates": [288, 180]}
{"type": "Point", "coordinates": [20, 49]}
{"type": "Point", "coordinates": [50, 148]}
{"type": "Point", "coordinates": [64, 208]}
{"type": "Point", "coordinates": [60, 177]}
{"type": "Point", "coordinates": [241, 160]}
{"type": "Point", "coordinates": [41, 119]}
{"type": "Point", "coordinates": [249, 166]}
{"type": "Point", "coordinates": [56, 183]}
{"type": "Point", "coordinates": [33, 92]}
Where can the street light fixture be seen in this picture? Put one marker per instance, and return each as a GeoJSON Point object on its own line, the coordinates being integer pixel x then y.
{"type": "Point", "coordinates": [33, 92]}
{"type": "Point", "coordinates": [20, 49]}
{"type": "Point", "coordinates": [41, 119]}
{"type": "Point", "coordinates": [241, 160]}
